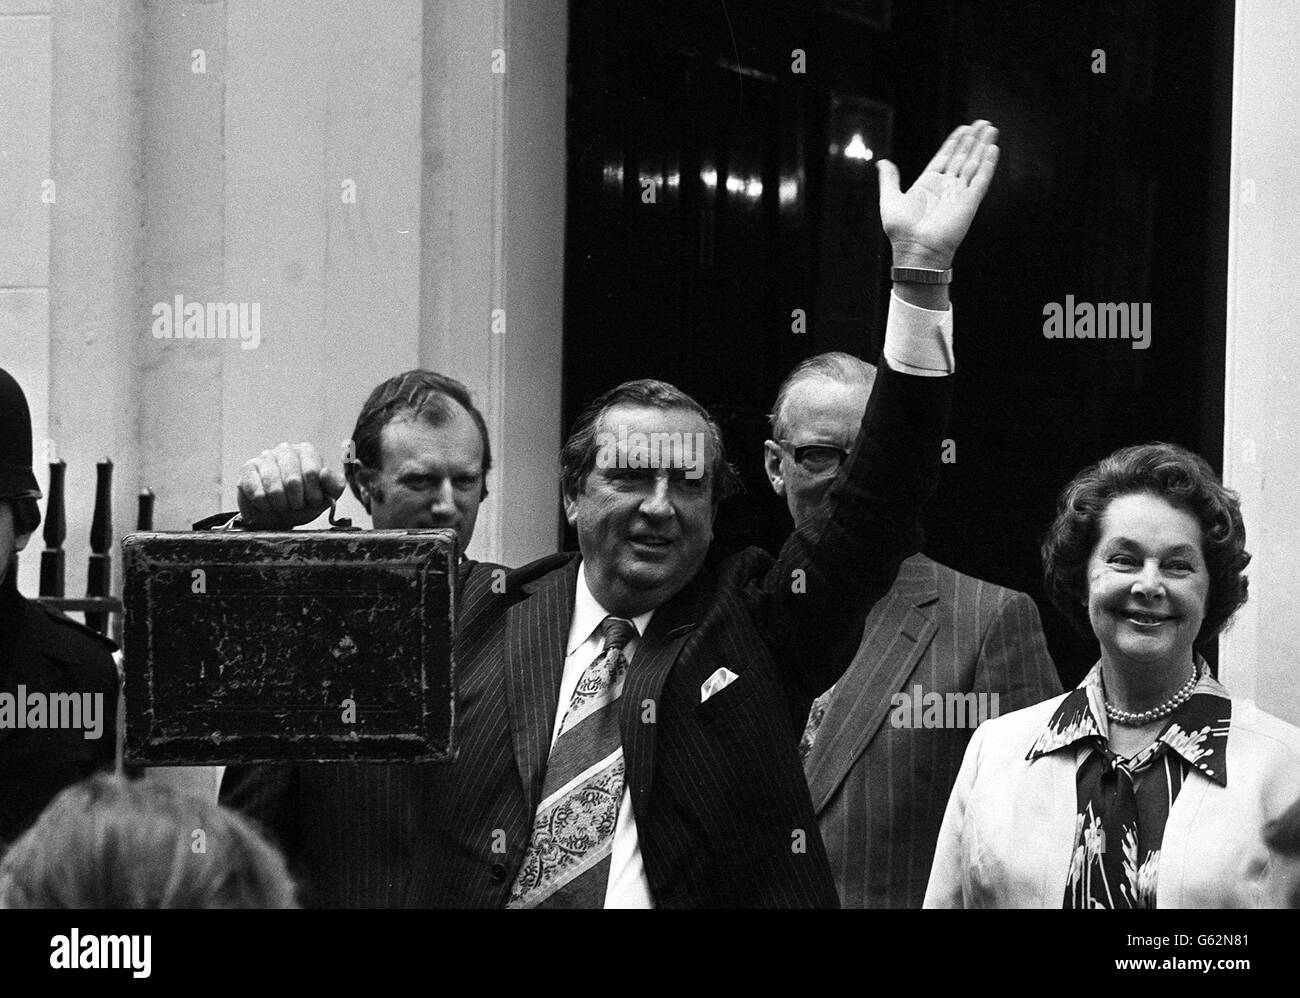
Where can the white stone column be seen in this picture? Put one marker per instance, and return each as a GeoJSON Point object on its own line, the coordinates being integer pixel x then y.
{"type": "Point", "coordinates": [1261, 652]}
{"type": "Point", "coordinates": [492, 268]}
{"type": "Point", "coordinates": [26, 190]}
{"type": "Point", "coordinates": [322, 216]}
{"type": "Point", "coordinates": [96, 252]}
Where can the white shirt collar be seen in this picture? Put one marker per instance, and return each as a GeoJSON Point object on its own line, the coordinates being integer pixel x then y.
{"type": "Point", "coordinates": [588, 614]}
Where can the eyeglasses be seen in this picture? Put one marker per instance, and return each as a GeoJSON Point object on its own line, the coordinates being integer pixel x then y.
{"type": "Point", "coordinates": [816, 459]}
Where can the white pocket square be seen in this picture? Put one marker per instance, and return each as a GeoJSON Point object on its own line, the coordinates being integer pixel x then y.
{"type": "Point", "coordinates": [720, 680]}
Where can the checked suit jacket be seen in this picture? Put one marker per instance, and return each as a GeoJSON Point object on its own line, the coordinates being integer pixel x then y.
{"type": "Point", "coordinates": [880, 790]}
{"type": "Point", "coordinates": [723, 813]}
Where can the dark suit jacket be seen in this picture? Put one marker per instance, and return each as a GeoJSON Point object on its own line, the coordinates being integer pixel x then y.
{"type": "Point", "coordinates": [48, 653]}
{"type": "Point", "coordinates": [880, 790]}
{"type": "Point", "coordinates": [722, 810]}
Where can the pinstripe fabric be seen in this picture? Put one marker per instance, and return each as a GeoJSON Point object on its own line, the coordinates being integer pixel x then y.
{"type": "Point", "coordinates": [723, 812]}
{"type": "Point", "coordinates": [880, 791]}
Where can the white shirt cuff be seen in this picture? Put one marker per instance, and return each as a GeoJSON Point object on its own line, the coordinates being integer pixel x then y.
{"type": "Point", "coordinates": [918, 341]}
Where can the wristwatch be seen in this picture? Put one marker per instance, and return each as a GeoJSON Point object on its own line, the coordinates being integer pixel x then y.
{"type": "Point", "coordinates": [919, 275]}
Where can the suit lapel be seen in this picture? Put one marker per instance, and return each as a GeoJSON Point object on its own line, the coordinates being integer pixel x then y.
{"type": "Point", "coordinates": [1055, 794]}
{"type": "Point", "coordinates": [641, 704]}
{"type": "Point", "coordinates": [897, 633]}
{"type": "Point", "coordinates": [537, 630]}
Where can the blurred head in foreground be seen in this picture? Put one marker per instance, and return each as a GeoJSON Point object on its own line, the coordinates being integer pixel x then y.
{"type": "Point", "coordinates": [1283, 836]}
{"type": "Point", "coordinates": [109, 842]}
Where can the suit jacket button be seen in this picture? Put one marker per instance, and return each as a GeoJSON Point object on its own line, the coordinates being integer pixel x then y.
{"type": "Point", "coordinates": [498, 872]}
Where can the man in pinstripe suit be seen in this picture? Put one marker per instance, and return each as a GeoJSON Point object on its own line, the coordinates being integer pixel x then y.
{"type": "Point", "coordinates": [880, 780]}
{"type": "Point", "coordinates": [710, 808]}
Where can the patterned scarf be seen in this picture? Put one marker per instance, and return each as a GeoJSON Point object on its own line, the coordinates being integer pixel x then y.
{"type": "Point", "coordinates": [1123, 804]}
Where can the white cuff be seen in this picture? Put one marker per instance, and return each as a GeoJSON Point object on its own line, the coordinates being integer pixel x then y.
{"type": "Point", "coordinates": [918, 341]}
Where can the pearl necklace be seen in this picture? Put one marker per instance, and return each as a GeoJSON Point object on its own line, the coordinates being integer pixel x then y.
{"type": "Point", "coordinates": [1136, 719]}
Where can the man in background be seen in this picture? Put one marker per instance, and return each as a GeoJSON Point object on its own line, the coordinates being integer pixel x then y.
{"type": "Point", "coordinates": [880, 781]}
{"type": "Point", "coordinates": [350, 831]}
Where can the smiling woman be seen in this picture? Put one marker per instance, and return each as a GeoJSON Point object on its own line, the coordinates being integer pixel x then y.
{"type": "Point", "coordinates": [1148, 783]}
{"type": "Point", "coordinates": [1208, 515]}
{"type": "Point", "coordinates": [1146, 555]}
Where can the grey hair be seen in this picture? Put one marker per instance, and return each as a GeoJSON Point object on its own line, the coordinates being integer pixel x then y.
{"type": "Point", "coordinates": [837, 366]}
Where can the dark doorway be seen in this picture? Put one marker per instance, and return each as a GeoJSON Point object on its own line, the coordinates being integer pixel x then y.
{"type": "Point", "coordinates": [714, 201]}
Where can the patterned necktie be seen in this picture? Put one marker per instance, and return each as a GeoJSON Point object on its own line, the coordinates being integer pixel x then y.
{"type": "Point", "coordinates": [567, 862]}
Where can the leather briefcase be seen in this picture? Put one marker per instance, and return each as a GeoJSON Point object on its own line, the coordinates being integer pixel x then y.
{"type": "Point", "coordinates": [320, 645]}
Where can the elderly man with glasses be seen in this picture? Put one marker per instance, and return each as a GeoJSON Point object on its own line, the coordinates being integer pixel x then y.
{"type": "Point", "coordinates": [940, 652]}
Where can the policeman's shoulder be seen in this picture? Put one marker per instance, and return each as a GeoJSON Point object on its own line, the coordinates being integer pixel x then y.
{"type": "Point", "coordinates": [69, 639]}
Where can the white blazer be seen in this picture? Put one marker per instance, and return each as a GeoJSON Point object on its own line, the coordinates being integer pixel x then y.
{"type": "Point", "coordinates": [1008, 831]}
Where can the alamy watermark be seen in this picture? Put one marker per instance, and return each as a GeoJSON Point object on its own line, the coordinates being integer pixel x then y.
{"type": "Point", "coordinates": [98, 952]}
{"type": "Point", "coordinates": [213, 320]}
{"type": "Point", "coordinates": [919, 709]}
{"type": "Point", "coordinates": [1103, 321]}
{"type": "Point", "coordinates": [651, 450]}
{"type": "Point", "coordinates": [66, 711]}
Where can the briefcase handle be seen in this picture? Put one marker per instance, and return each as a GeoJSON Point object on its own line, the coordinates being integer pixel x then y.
{"type": "Point", "coordinates": [232, 521]}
